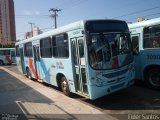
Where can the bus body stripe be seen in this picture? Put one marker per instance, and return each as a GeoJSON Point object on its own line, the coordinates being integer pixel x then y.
{"type": "Point", "coordinates": [43, 67]}
{"type": "Point", "coordinates": [45, 71]}
{"type": "Point", "coordinates": [8, 59]}
{"type": "Point", "coordinates": [32, 68]}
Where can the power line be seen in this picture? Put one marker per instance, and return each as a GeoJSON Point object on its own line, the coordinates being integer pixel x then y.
{"type": "Point", "coordinates": [140, 11]}
{"type": "Point", "coordinates": [144, 16]}
{"type": "Point", "coordinates": [64, 3]}
{"type": "Point", "coordinates": [31, 15]}
{"type": "Point", "coordinates": [23, 33]}
{"type": "Point", "coordinates": [74, 4]}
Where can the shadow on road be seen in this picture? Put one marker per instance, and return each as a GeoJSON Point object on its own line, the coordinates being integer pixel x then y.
{"type": "Point", "coordinates": [19, 101]}
{"type": "Point", "coordinates": [137, 97]}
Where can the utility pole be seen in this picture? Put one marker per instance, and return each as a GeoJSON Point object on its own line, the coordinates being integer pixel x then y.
{"type": "Point", "coordinates": [31, 27]}
{"type": "Point", "coordinates": [54, 15]}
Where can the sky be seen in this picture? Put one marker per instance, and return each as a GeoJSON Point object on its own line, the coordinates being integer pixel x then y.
{"type": "Point", "coordinates": [37, 12]}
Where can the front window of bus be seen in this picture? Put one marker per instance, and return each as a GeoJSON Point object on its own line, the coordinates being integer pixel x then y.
{"type": "Point", "coordinates": [109, 48]}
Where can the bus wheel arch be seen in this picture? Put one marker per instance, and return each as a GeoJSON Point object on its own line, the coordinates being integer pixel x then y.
{"type": "Point", "coordinates": [58, 79]}
{"type": "Point", "coordinates": [152, 76]}
{"type": "Point", "coordinates": [63, 84]}
{"type": "Point", "coordinates": [28, 72]}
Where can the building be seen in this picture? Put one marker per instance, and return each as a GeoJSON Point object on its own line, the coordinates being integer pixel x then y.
{"type": "Point", "coordinates": [140, 19]}
{"type": "Point", "coordinates": [7, 22]}
{"type": "Point", "coordinates": [36, 31]}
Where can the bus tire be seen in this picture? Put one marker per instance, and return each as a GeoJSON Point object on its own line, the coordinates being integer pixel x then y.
{"type": "Point", "coordinates": [1, 62]}
{"type": "Point", "coordinates": [29, 76]}
{"type": "Point", "coordinates": [152, 78]}
{"type": "Point", "coordinates": [65, 86]}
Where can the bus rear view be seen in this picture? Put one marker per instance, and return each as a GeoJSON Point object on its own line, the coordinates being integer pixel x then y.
{"type": "Point", "coordinates": [7, 56]}
{"type": "Point", "coordinates": [110, 56]}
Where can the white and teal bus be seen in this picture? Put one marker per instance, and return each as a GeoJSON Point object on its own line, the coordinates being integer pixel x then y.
{"type": "Point", "coordinates": [146, 44]}
{"type": "Point", "coordinates": [7, 56]}
{"type": "Point", "coordinates": [91, 58]}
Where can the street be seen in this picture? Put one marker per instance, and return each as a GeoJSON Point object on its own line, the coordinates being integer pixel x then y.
{"type": "Point", "coordinates": [21, 98]}
{"type": "Point", "coordinates": [30, 99]}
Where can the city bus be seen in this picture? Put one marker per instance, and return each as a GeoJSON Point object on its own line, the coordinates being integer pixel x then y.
{"type": "Point", "coordinates": [7, 56]}
{"type": "Point", "coordinates": [146, 45]}
{"type": "Point", "coordinates": [91, 58]}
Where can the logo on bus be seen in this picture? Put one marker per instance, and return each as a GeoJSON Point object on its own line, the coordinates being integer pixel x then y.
{"type": "Point", "coordinates": [59, 65]}
{"type": "Point", "coordinates": [76, 32]}
{"type": "Point", "coordinates": [153, 56]}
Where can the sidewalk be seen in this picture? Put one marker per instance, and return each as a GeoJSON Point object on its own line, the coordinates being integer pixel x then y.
{"type": "Point", "coordinates": [62, 107]}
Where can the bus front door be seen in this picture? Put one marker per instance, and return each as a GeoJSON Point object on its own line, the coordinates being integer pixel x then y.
{"type": "Point", "coordinates": [79, 66]}
{"type": "Point", "coordinates": [22, 60]}
{"type": "Point", "coordinates": [136, 51]}
{"type": "Point", "coordinates": [37, 62]}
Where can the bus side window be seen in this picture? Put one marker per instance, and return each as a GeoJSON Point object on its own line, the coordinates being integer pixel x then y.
{"type": "Point", "coordinates": [45, 48]}
{"type": "Point", "coordinates": [135, 44]}
{"type": "Point", "coordinates": [60, 46]}
{"type": "Point", "coordinates": [6, 52]}
{"type": "Point", "coordinates": [1, 52]}
{"type": "Point", "coordinates": [152, 36]}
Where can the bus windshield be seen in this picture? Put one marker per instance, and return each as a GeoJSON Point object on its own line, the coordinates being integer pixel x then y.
{"type": "Point", "coordinates": [104, 48]}
{"type": "Point", "coordinates": [109, 44]}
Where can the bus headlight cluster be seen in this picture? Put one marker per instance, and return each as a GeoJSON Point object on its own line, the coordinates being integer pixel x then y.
{"type": "Point", "coordinates": [131, 67]}
{"type": "Point", "coordinates": [99, 82]}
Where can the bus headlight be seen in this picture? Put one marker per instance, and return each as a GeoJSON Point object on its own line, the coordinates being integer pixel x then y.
{"type": "Point", "coordinates": [99, 82]}
{"type": "Point", "coordinates": [131, 67]}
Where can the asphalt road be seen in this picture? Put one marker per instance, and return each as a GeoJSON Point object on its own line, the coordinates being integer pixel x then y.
{"type": "Point", "coordinates": [21, 98]}
{"type": "Point", "coordinates": [12, 92]}
{"type": "Point", "coordinates": [136, 102]}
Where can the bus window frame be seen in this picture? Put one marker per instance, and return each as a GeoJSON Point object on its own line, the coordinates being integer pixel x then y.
{"type": "Point", "coordinates": [136, 52]}
{"type": "Point", "coordinates": [26, 53]}
{"type": "Point", "coordinates": [55, 46]}
{"type": "Point", "coordinates": [150, 37]}
{"type": "Point", "coordinates": [48, 47]}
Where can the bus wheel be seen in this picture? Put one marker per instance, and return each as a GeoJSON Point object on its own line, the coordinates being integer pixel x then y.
{"type": "Point", "coordinates": [29, 74]}
{"type": "Point", "coordinates": [65, 86]}
{"type": "Point", "coordinates": [153, 78]}
{"type": "Point", "coordinates": [1, 62]}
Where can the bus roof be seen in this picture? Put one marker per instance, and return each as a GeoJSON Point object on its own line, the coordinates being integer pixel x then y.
{"type": "Point", "coordinates": [73, 26]}
{"type": "Point", "coordinates": [145, 23]}
{"type": "Point", "coordinates": [69, 27]}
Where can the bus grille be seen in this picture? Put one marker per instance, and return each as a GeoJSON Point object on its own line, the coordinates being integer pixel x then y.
{"type": "Point", "coordinates": [111, 75]}
{"type": "Point", "coordinates": [117, 86]}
